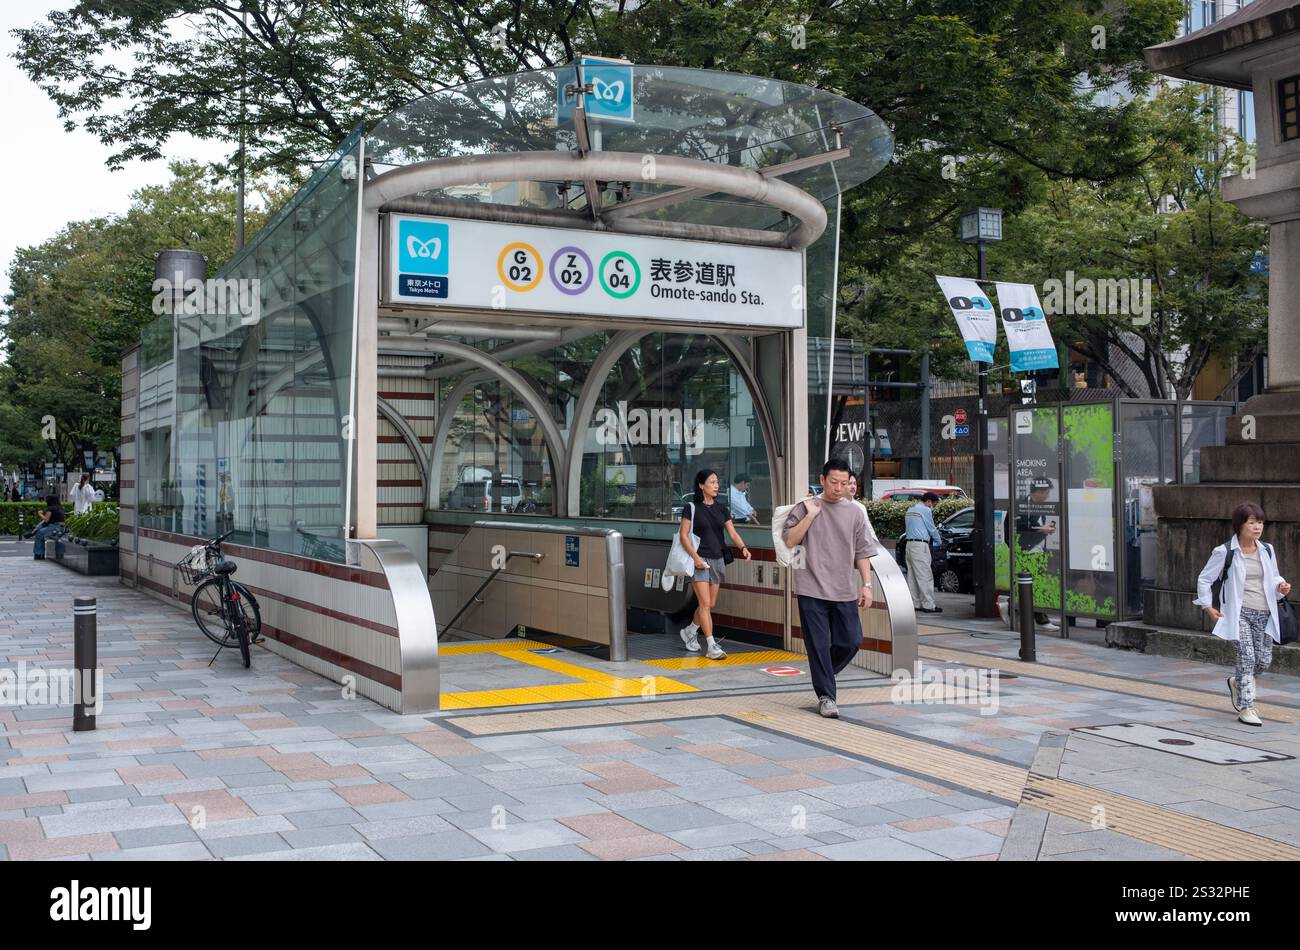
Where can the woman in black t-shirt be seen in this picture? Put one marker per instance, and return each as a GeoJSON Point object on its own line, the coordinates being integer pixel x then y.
{"type": "Point", "coordinates": [710, 520]}
{"type": "Point", "coordinates": [50, 518]}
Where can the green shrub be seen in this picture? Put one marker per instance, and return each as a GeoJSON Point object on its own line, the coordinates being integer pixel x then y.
{"type": "Point", "coordinates": [887, 516]}
{"type": "Point", "coordinates": [98, 524]}
{"type": "Point", "coordinates": [9, 511]}
{"type": "Point", "coordinates": [949, 507]}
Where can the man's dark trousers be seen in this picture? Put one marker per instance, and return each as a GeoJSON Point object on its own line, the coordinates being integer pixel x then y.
{"type": "Point", "coordinates": [832, 634]}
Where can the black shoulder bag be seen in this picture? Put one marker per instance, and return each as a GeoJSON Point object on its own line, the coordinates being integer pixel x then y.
{"type": "Point", "coordinates": [1216, 589]}
{"type": "Point", "coordinates": [1286, 618]}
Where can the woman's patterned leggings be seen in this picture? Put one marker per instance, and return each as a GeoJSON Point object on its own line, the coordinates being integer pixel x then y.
{"type": "Point", "coordinates": [1254, 652]}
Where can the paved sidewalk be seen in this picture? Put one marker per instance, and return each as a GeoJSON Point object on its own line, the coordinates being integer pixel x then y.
{"type": "Point", "coordinates": [191, 762]}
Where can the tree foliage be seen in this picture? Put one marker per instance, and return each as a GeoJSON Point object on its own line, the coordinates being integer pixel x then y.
{"type": "Point", "coordinates": [78, 300]}
{"type": "Point", "coordinates": [1165, 223]}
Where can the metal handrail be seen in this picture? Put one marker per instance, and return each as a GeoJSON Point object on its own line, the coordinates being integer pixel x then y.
{"type": "Point", "coordinates": [534, 556]}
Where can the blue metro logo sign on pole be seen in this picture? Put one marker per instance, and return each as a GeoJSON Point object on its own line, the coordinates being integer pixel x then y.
{"type": "Point", "coordinates": [1028, 336]}
{"type": "Point", "coordinates": [975, 316]}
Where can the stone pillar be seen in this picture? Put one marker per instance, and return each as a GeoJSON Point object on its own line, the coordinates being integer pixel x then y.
{"type": "Point", "coordinates": [1284, 307]}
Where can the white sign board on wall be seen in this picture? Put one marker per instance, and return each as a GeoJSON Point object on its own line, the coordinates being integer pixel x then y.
{"type": "Point", "coordinates": [448, 262]}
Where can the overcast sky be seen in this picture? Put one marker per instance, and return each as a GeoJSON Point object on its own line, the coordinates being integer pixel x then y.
{"type": "Point", "coordinates": [51, 176]}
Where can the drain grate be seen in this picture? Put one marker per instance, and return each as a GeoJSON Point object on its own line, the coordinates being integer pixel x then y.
{"type": "Point", "coordinates": [1187, 744]}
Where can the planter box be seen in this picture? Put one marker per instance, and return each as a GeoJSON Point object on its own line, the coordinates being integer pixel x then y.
{"type": "Point", "coordinates": [93, 558]}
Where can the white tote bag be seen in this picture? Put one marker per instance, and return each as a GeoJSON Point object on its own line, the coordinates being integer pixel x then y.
{"type": "Point", "coordinates": [784, 554]}
{"type": "Point", "coordinates": [680, 563]}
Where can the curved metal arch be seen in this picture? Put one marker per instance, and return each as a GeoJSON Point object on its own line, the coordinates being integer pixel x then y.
{"type": "Point", "coordinates": [516, 381]}
{"type": "Point", "coordinates": [442, 430]}
{"type": "Point", "coordinates": [710, 177]}
{"type": "Point", "coordinates": [586, 405]}
{"type": "Point", "coordinates": [387, 410]}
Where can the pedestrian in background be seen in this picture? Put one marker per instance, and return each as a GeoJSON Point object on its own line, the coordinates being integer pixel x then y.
{"type": "Point", "coordinates": [82, 495]}
{"type": "Point", "coordinates": [1245, 569]}
{"type": "Point", "coordinates": [829, 531]}
{"type": "Point", "coordinates": [741, 509]}
{"type": "Point", "coordinates": [921, 536]}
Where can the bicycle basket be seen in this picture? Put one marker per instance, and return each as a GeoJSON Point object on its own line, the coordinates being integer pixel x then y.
{"type": "Point", "coordinates": [196, 565]}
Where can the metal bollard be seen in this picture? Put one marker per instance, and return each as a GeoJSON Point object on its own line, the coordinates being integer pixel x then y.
{"type": "Point", "coordinates": [86, 660]}
{"type": "Point", "coordinates": [1025, 591]}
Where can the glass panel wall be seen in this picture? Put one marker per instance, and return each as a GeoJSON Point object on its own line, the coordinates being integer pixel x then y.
{"type": "Point", "coordinates": [263, 364]}
{"type": "Point", "coordinates": [1202, 424]}
{"type": "Point", "coordinates": [496, 459]}
{"type": "Point", "coordinates": [1150, 458]}
{"type": "Point", "coordinates": [673, 404]}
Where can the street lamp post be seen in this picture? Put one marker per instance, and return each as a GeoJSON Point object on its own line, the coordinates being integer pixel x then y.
{"type": "Point", "coordinates": [979, 227]}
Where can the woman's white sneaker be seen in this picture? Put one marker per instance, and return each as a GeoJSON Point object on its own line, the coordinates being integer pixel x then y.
{"type": "Point", "coordinates": [1249, 717]}
{"type": "Point", "coordinates": [691, 637]}
{"type": "Point", "coordinates": [715, 653]}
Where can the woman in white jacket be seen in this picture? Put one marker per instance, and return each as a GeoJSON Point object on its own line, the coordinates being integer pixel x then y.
{"type": "Point", "coordinates": [1248, 604]}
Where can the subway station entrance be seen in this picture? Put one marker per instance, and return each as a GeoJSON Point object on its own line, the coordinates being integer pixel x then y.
{"type": "Point", "coordinates": [496, 337]}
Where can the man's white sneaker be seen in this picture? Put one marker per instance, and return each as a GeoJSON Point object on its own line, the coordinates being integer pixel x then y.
{"type": "Point", "coordinates": [827, 708]}
{"type": "Point", "coordinates": [1249, 717]}
{"type": "Point", "coordinates": [715, 653]}
{"type": "Point", "coordinates": [1050, 626]}
{"type": "Point", "coordinates": [691, 637]}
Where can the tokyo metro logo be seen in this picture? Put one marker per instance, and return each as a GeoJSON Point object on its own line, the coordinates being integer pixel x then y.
{"type": "Point", "coordinates": [423, 247]}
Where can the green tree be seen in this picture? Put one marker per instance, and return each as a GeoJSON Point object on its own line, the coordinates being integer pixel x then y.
{"type": "Point", "coordinates": [80, 299]}
{"type": "Point", "coordinates": [1165, 223]}
{"type": "Point", "coordinates": [1008, 87]}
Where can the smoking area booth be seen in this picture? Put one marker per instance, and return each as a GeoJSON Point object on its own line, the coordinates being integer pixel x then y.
{"type": "Point", "coordinates": [1074, 487]}
{"type": "Point", "coordinates": [451, 398]}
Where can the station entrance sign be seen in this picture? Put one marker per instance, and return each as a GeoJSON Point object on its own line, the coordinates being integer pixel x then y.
{"type": "Point", "coordinates": [450, 262]}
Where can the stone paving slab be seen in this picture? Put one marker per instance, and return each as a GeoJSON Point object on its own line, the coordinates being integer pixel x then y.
{"type": "Point", "coordinates": [191, 762]}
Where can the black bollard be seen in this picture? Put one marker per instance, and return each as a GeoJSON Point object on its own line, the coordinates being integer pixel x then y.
{"type": "Point", "coordinates": [1025, 591]}
{"type": "Point", "coordinates": [86, 660]}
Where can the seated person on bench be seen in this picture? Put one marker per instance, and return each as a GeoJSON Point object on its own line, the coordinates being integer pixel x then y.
{"type": "Point", "coordinates": [52, 520]}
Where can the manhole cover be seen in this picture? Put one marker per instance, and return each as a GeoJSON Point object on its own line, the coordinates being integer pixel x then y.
{"type": "Point", "coordinates": [1188, 744]}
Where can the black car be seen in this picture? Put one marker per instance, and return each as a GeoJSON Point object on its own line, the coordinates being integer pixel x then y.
{"type": "Point", "coordinates": [952, 560]}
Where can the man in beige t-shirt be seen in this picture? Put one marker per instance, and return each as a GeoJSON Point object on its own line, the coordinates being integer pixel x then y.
{"type": "Point", "coordinates": [830, 532]}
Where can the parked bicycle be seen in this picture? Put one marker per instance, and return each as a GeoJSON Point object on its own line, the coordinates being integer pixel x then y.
{"type": "Point", "coordinates": [224, 609]}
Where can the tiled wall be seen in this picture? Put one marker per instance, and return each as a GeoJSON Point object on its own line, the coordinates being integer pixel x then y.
{"type": "Point", "coordinates": [400, 493]}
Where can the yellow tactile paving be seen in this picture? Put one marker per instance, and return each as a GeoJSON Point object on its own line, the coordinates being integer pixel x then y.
{"type": "Point", "coordinates": [913, 755]}
{"type": "Point", "coordinates": [1186, 834]}
{"type": "Point", "coordinates": [591, 684]}
{"type": "Point", "coordinates": [1116, 684]}
{"type": "Point", "coordinates": [491, 646]}
{"type": "Point", "coordinates": [732, 659]}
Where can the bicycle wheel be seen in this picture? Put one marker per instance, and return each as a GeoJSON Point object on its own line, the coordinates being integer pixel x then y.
{"type": "Point", "coordinates": [210, 614]}
{"type": "Point", "coordinates": [241, 634]}
{"type": "Point", "coordinates": [251, 612]}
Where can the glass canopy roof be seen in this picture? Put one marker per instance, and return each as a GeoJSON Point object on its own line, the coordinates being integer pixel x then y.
{"type": "Point", "coordinates": [730, 118]}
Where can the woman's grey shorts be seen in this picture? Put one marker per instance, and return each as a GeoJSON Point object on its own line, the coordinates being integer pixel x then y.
{"type": "Point", "coordinates": [713, 574]}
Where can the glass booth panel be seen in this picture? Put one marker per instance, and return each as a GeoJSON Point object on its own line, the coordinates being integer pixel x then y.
{"type": "Point", "coordinates": [1091, 586]}
{"type": "Point", "coordinates": [1202, 424]}
{"type": "Point", "coordinates": [1036, 503]}
{"type": "Point", "coordinates": [1150, 439]}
